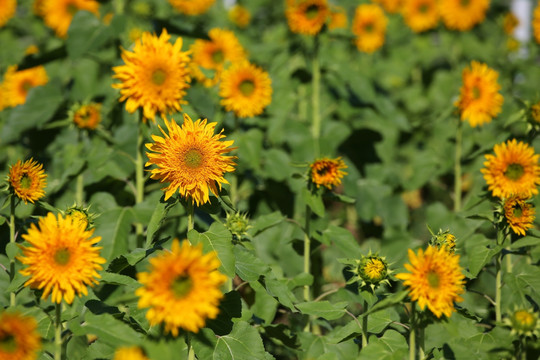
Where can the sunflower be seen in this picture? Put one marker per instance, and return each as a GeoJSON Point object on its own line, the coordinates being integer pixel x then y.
{"type": "Point", "coordinates": [19, 339]}
{"type": "Point", "coordinates": [62, 258]}
{"type": "Point", "coordinates": [306, 16]}
{"type": "Point", "coordinates": [338, 18]}
{"type": "Point", "coordinates": [435, 280]}
{"type": "Point", "coordinates": [87, 116]}
{"type": "Point", "coordinates": [519, 214]}
{"type": "Point", "coordinates": [190, 7]}
{"type": "Point", "coordinates": [214, 55]}
{"type": "Point", "coordinates": [129, 353]}
{"type": "Point", "coordinates": [190, 159]}
{"type": "Point", "coordinates": [536, 23]}
{"type": "Point", "coordinates": [17, 84]}
{"type": "Point", "coordinates": [327, 172]}
{"type": "Point", "coordinates": [57, 14]}
{"type": "Point", "coordinates": [369, 26]}
{"type": "Point", "coordinates": [239, 16]}
{"type": "Point", "coordinates": [523, 322]}
{"type": "Point", "coordinates": [391, 6]}
{"type": "Point", "coordinates": [510, 22]}
{"type": "Point", "coordinates": [155, 75]}
{"type": "Point", "coordinates": [182, 288]}
{"type": "Point", "coordinates": [463, 15]}
{"type": "Point", "coordinates": [479, 99]}
{"type": "Point", "coordinates": [245, 89]}
{"type": "Point", "coordinates": [535, 112]}
{"type": "Point", "coordinates": [27, 180]}
{"type": "Point", "coordinates": [513, 170]}
{"type": "Point", "coordinates": [421, 15]}
{"type": "Point", "coordinates": [7, 10]}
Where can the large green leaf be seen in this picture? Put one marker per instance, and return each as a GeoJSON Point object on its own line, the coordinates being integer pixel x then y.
{"type": "Point", "coordinates": [114, 226]}
{"type": "Point", "coordinates": [391, 346]}
{"type": "Point", "coordinates": [323, 309]}
{"type": "Point", "coordinates": [248, 266]}
{"type": "Point", "coordinates": [217, 239]}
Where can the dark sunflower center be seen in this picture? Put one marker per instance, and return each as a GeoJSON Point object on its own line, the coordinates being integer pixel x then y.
{"type": "Point", "coordinates": [312, 11]}
{"type": "Point", "coordinates": [368, 27]}
{"type": "Point", "coordinates": [61, 257]}
{"type": "Point", "coordinates": [159, 76]}
{"type": "Point", "coordinates": [247, 87]}
{"type": "Point", "coordinates": [218, 56]}
{"type": "Point", "coordinates": [465, 2]}
{"type": "Point", "coordinates": [323, 171]}
{"type": "Point", "coordinates": [72, 9]}
{"type": "Point", "coordinates": [26, 86]}
{"type": "Point", "coordinates": [475, 92]}
{"type": "Point", "coordinates": [517, 211]}
{"type": "Point", "coordinates": [514, 172]}
{"type": "Point", "coordinates": [181, 286]}
{"type": "Point", "coordinates": [193, 158]}
{"type": "Point", "coordinates": [26, 181]}
{"type": "Point", "coordinates": [8, 344]}
{"type": "Point", "coordinates": [433, 279]}
{"type": "Point", "coordinates": [424, 8]}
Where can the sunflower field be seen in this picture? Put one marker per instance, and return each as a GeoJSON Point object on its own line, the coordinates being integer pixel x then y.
{"type": "Point", "coordinates": [269, 179]}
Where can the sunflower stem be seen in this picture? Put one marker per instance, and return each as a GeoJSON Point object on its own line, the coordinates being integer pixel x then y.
{"type": "Point", "coordinates": [365, 326]}
{"type": "Point", "coordinates": [412, 333]}
{"type": "Point", "coordinates": [58, 333]}
{"type": "Point", "coordinates": [457, 167]}
{"type": "Point", "coordinates": [139, 178]}
{"type": "Point", "coordinates": [190, 213]}
{"type": "Point", "coordinates": [498, 276]}
{"type": "Point", "coordinates": [509, 264]}
{"type": "Point", "coordinates": [315, 104]}
{"type": "Point", "coordinates": [79, 190]}
{"type": "Point", "coordinates": [307, 259]}
{"type": "Point", "coordinates": [12, 299]}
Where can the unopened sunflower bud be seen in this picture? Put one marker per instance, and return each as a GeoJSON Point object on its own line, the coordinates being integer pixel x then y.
{"type": "Point", "coordinates": [443, 239]}
{"type": "Point", "coordinates": [523, 322]}
{"type": "Point", "coordinates": [81, 216]}
{"type": "Point", "coordinates": [237, 224]}
{"type": "Point", "coordinates": [369, 271]}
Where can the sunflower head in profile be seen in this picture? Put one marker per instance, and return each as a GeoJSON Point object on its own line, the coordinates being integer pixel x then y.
{"type": "Point", "coordinates": [421, 15]}
{"type": "Point", "coordinates": [240, 16]}
{"type": "Point", "coordinates": [191, 159]}
{"type": "Point", "coordinates": [535, 112]}
{"type": "Point", "coordinates": [434, 280]}
{"type": "Point", "coordinates": [182, 288]}
{"type": "Point", "coordinates": [7, 10]}
{"type": "Point", "coordinates": [62, 258]}
{"type": "Point", "coordinates": [210, 57]}
{"type": "Point", "coordinates": [155, 75]}
{"type": "Point", "coordinates": [129, 353]}
{"type": "Point", "coordinates": [306, 16]}
{"type": "Point", "coordinates": [17, 84]}
{"type": "Point", "coordinates": [463, 15]}
{"type": "Point", "coordinates": [519, 214]}
{"type": "Point", "coordinates": [86, 116]}
{"type": "Point", "coordinates": [390, 6]}
{"type": "Point", "coordinates": [57, 14]}
{"type": "Point", "coordinates": [27, 180]}
{"type": "Point", "coordinates": [479, 100]}
{"type": "Point", "coordinates": [190, 7]}
{"type": "Point", "coordinates": [513, 170]}
{"type": "Point", "coordinates": [369, 26]}
{"type": "Point", "coordinates": [327, 172]}
{"type": "Point", "coordinates": [19, 339]}
{"type": "Point", "coordinates": [245, 89]}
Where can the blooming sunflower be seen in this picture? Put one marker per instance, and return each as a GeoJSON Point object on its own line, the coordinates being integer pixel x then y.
{"type": "Point", "coordinates": [190, 158]}
{"type": "Point", "coordinates": [7, 10]}
{"type": "Point", "coordinates": [463, 15]}
{"type": "Point", "coordinates": [510, 22]}
{"type": "Point", "coordinates": [391, 6]}
{"type": "Point", "coordinates": [129, 353]}
{"type": "Point", "coordinates": [435, 280]}
{"type": "Point", "coordinates": [87, 116]}
{"type": "Point", "coordinates": [182, 288]}
{"type": "Point", "coordinates": [239, 16]}
{"type": "Point", "coordinates": [19, 339]}
{"type": "Point", "coordinates": [62, 258]}
{"type": "Point", "coordinates": [214, 55]}
{"type": "Point", "coordinates": [306, 16]}
{"type": "Point", "coordinates": [327, 172]}
{"type": "Point", "coordinates": [479, 99]}
{"type": "Point", "coordinates": [17, 84]}
{"type": "Point", "coordinates": [190, 7]}
{"type": "Point", "coordinates": [245, 89]}
{"type": "Point", "coordinates": [369, 26]}
{"type": "Point", "coordinates": [421, 15]}
{"type": "Point", "coordinates": [519, 214]}
{"type": "Point", "coordinates": [155, 75]}
{"type": "Point", "coordinates": [27, 180]}
{"type": "Point", "coordinates": [338, 18]}
{"type": "Point", "coordinates": [513, 170]}
{"type": "Point", "coordinates": [57, 14]}
{"type": "Point", "coordinates": [536, 23]}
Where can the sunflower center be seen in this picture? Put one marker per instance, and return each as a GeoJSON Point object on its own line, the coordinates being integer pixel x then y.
{"type": "Point", "coordinates": [218, 56]}
{"type": "Point", "coordinates": [312, 11]}
{"type": "Point", "coordinates": [475, 92]}
{"type": "Point", "coordinates": [424, 8]}
{"type": "Point", "coordinates": [247, 87]}
{"type": "Point", "coordinates": [26, 86]}
{"type": "Point", "coordinates": [465, 2]}
{"type": "Point", "coordinates": [8, 344]}
{"type": "Point", "coordinates": [433, 279]}
{"type": "Point", "coordinates": [181, 286]}
{"type": "Point", "coordinates": [517, 211]}
{"type": "Point", "coordinates": [374, 268]}
{"type": "Point", "coordinates": [369, 27]}
{"type": "Point", "coordinates": [524, 318]}
{"type": "Point", "coordinates": [26, 181]}
{"type": "Point", "coordinates": [159, 76]}
{"type": "Point", "coordinates": [61, 257]}
{"type": "Point", "coordinates": [514, 172]}
{"type": "Point", "coordinates": [72, 9]}
{"type": "Point", "coordinates": [323, 171]}
{"type": "Point", "coordinates": [193, 158]}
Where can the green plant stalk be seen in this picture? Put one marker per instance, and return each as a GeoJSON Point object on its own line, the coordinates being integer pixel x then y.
{"type": "Point", "coordinates": [307, 253]}
{"type": "Point", "coordinates": [190, 213]}
{"type": "Point", "coordinates": [139, 178]}
{"type": "Point", "coordinates": [412, 333]}
{"type": "Point", "coordinates": [498, 275]}
{"type": "Point", "coordinates": [365, 326]}
{"type": "Point", "coordinates": [79, 190]}
{"type": "Point", "coordinates": [457, 167]}
{"type": "Point", "coordinates": [509, 265]}
{"type": "Point", "coordinates": [58, 333]}
{"type": "Point", "coordinates": [421, 343]}
{"type": "Point", "coordinates": [12, 298]}
{"type": "Point", "coordinates": [315, 97]}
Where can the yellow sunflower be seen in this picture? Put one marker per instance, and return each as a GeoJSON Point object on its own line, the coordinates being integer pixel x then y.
{"type": "Point", "coordinates": [435, 280]}
{"type": "Point", "coordinates": [87, 116]}
{"type": "Point", "coordinates": [463, 15]}
{"type": "Point", "coordinates": [513, 170]}
{"type": "Point", "coordinates": [536, 23]}
{"type": "Point", "coordinates": [239, 16]}
{"type": "Point", "coordinates": [212, 56]}
{"type": "Point", "coordinates": [190, 158]}
{"type": "Point", "coordinates": [306, 16]}
{"type": "Point", "coordinates": [510, 22]}
{"type": "Point", "coordinates": [7, 10]}
{"type": "Point", "coordinates": [338, 18]}
{"type": "Point", "coordinates": [519, 214]}
{"type": "Point", "coordinates": [17, 84]}
{"type": "Point", "coordinates": [191, 7]}
{"type": "Point", "coordinates": [27, 180]}
{"type": "Point", "coordinates": [182, 288]}
{"type": "Point", "coordinates": [245, 89]}
{"type": "Point", "coordinates": [479, 99]}
{"type": "Point", "coordinates": [19, 339]}
{"type": "Point", "coordinates": [421, 15]}
{"type": "Point", "coordinates": [129, 353]}
{"type": "Point", "coordinates": [390, 6]}
{"type": "Point", "coordinates": [61, 258]}
{"type": "Point", "coordinates": [155, 75]}
{"type": "Point", "coordinates": [369, 26]}
{"type": "Point", "coordinates": [535, 112]}
{"type": "Point", "coordinates": [57, 14]}
{"type": "Point", "coordinates": [523, 322]}
{"type": "Point", "coordinates": [327, 172]}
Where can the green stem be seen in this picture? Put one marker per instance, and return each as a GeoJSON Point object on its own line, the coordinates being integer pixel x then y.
{"type": "Point", "coordinates": [58, 333]}
{"type": "Point", "coordinates": [421, 343]}
{"type": "Point", "coordinates": [498, 276]}
{"type": "Point", "coordinates": [457, 167]}
{"type": "Point", "coordinates": [365, 326]}
{"type": "Point", "coordinates": [315, 104]}
{"type": "Point", "coordinates": [412, 333]}
{"type": "Point", "coordinates": [12, 299]}
{"type": "Point", "coordinates": [509, 265]}
{"type": "Point", "coordinates": [79, 190]}
{"type": "Point", "coordinates": [307, 252]}
{"type": "Point", "coordinates": [190, 213]}
{"type": "Point", "coordinates": [139, 178]}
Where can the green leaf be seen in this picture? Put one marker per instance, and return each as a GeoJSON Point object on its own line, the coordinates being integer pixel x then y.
{"type": "Point", "coordinates": [266, 221]}
{"type": "Point", "coordinates": [114, 227]}
{"type": "Point", "coordinates": [117, 279]}
{"type": "Point", "coordinates": [314, 201]}
{"type": "Point", "coordinates": [525, 241]}
{"type": "Point", "coordinates": [107, 328]}
{"type": "Point", "coordinates": [479, 253]}
{"type": "Point", "coordinates": [166, 348]}
{"type": "Point", "coordinates": [343, 240]}
{"type": "Point", "coordinates": [229, 307]}
{"type": "Point", "coordinates": [86, 33]}
{"type": "Point", "coordinates": [391, 300]}
{"type": "Point", "coordinates": [278, 288]}
{"type": "Point", "coordinates": [158, 216]}
{"type": "Point", "coordinates": [217, 239]}
{"type": "Point", "coordinates": [12, 249]}
{"type": "Point", "coordinates": [248, 266]}
{"type": "Point", "coordinates": [323, 309]}
{"type": "Point", "coordinates": [391, 346]}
